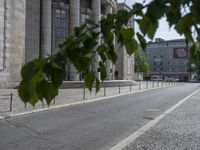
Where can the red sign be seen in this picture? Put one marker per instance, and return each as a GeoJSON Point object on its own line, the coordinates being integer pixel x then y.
{"type": "Point", "coordinates": [181, 52]}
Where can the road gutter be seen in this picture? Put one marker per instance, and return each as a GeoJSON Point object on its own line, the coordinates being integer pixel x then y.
{"type": "Point", "coordinates": [130, 139]}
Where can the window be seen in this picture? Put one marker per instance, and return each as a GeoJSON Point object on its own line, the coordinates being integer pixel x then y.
{"type": "Point", "coordinates": [60, 26]}
{"type": "Point", "coordinates": [84, 17]}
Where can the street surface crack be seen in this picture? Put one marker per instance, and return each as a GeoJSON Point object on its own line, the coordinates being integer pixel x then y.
{"type": "Point", "coordinates": [21, 126]}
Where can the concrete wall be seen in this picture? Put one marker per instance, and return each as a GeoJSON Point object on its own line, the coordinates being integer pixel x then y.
{"type": "Point", "coordinates": [2, 32]}
{"type": "Point", "coordinates": [15, 39]}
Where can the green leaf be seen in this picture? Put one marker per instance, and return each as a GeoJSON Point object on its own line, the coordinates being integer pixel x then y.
{"type": "Point", "coordinates": [122, 17]}
{"type": "Point", "coordinates": [142, 41]}
{"type": "Point", "coordinates": [193, 51]}
{"type": "Point", "coordinates": [82, 63]}
{"type": "Point", "coordinates": [126, 35]}
{"type": "Point", "coordinates": [27, 92]}
{"type": "Point", "coordinates": [89, 80]}
{"type": "Point", "coordinates": [184, 23]}
{"type": "Point", "coordinates": [110, 37]}
{"type": "Point", "coordinates": [101, 51]}
{"type": "Point", "coordinates": [48, 91]}
{"type": "Point", "coordinates": [137, 9]}
{"type": "Point", "coordinates": [97, 85]}
{"type": "Point", "coordinates": [102, 71]}
{"type": "Point", "coordinates": [131, 46]}
{"type": "Point", "coordinates": [89, 43]}
{"type": "Point", "coordinates": [148, 27]}
{"type": "Point", "coordinates": [173, 16]}
{"type": "Point", "coordinates": [112, 55]}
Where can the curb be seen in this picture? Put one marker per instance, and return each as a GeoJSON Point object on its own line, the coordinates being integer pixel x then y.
{"type": "Point", "coordinates": [79, 103]}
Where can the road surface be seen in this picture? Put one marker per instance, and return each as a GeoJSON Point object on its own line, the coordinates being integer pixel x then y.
{"type": "Point", "coordinates": [92, 126]}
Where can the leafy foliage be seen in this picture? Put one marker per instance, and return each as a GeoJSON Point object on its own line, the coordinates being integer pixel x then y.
{"type": "Point", "coordinates": [141, 63]}
{"type": "Point", "coordinates": [41, 78]}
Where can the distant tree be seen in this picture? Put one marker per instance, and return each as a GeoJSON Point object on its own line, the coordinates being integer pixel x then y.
{"type": "Point", "coordinates": [42, 77]}
{"type": "Point", "coordinates": [193, 65]}
{"type": "Point", "coordinates": [141, 63]}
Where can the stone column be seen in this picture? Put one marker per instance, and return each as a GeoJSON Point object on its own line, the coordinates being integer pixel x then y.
{"type": "Point", "coordinates": [96, 10]}
{"type": "Point", "coordinates": [46, 28]}
{"type": "Point", "coordinates": [74, 22]}
{"type": "Point", "coordinates": [110, 76]}
{"type": "Point", "coordinates": [15, 42]}
{"type": "Point", "coordinates": [96, 16]}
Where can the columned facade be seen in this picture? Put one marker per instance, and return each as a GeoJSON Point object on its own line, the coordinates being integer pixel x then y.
{"type": "Point", "coordinates": [110, 67]}
{"type": "Point", "coordinates": [74, 22]}
{"type": "Point", "coordinates": [35, 28]}
{"type": "Point", "coordinates": [46, 28]}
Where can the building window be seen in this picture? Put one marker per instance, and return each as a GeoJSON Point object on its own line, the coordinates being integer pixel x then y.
{"type": "Point", "coordinates": [60, 26]}
{"type": "Point", "coordinates": [161, 69]}
{"type": "Point", "coordinates": [84, 18]}
{"type": "Point", "coordinates": [154, 63]}
{"type": "Point", "coordinates": [154, 69]}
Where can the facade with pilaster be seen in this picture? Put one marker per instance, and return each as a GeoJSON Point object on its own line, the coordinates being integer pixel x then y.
{"type": "Point", "coordinates": [124, 68]}
{"type": "Point", "coordinates": [34, 28]}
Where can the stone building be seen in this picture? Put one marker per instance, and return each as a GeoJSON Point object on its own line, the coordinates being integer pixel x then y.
{"type": "Point", "coordinates": [168, 59]}
{"type": "Point", "coordinates": [34, 28]}
{"type": "Point", "coordinates": [124, 68]}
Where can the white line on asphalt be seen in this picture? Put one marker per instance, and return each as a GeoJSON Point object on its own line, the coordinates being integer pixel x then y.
{"type": "Point", "coordinates": [79, 103]}
{"type": "Point", "coordinates": [130, 139]}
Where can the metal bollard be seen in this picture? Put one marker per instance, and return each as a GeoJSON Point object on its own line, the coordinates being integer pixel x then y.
{"type": "Point", "coordinates": [147, 85]}
{"type": "Point", "coordinates": [119, 89]}
{"type": "Point", "coordinates": [130, 87]}
{"type": "Point", "coordinates": [153, 84]}
{"type": "Point", "coordinates": [139, 86]}
{"type": "Point", "coordinates": [54, 101]}
{"type": "Point", "coordinates": [11, 101]}
{"type": "Point", "coordinates": [104, 90]}
{"type": "Point", "coordinates": [84, 92]}
{"type": "Point", "coordinates": [42, 104]}
{"type": "Point", "coordinates": [157, 83]}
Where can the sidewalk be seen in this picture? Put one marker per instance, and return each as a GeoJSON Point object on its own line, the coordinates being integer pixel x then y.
{"type": "Point", "coordinates": [70, 96]}
{"type": "Point", "coordinates": [179, 130]}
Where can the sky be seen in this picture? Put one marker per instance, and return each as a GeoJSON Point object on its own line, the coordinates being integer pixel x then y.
{"type": "Point", "coordinates": [163, 31]}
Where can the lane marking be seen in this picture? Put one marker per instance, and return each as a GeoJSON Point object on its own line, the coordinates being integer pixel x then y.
{"type": "Point", "coordinates": [82, 102]}
{"type": "Point", "coordinates": [130, 139]}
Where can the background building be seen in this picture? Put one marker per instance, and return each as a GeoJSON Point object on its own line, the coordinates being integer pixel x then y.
{"type": "Point", "coordinates": [168, 58]}
{"type": "Point", "coordinates": [34, 28]}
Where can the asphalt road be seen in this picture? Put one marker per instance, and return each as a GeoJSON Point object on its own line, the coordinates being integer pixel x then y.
{"type": "Point", "coordinates": [91, 126]}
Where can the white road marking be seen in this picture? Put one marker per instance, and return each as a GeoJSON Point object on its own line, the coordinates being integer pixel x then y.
{"type": "Point", "coordinates": [130, 139]}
